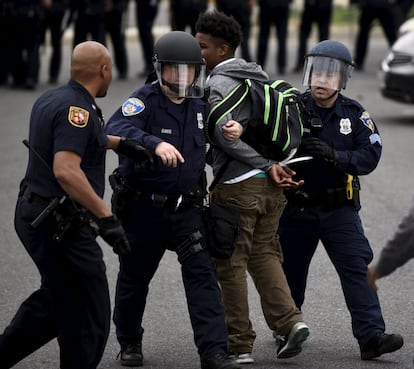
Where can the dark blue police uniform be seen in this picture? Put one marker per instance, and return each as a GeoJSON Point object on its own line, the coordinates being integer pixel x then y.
{"type": "Point", "coordinates": [186, 12]}
{"type": "Point", "coordinates": [89, 20]}
{"type": "Point", "coordinates": [114, 26]}
{"type": "Point", "coordinates": [145, 14]}
{"type": "Point", "coordinates": [326, 208]}
{"type": "Point", "coordinates": [26, 27]}
{"type": "Point", "coordinates": [163, 214]}
{"type": "Point", "coordinates": [317, 12]}
{"type": "Point", "coordinates": [387, 13]}
{"type": "Point", "coordinates": [72, 302]}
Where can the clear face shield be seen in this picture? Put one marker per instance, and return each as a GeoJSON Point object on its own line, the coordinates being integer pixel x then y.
{"type": "Point", "coordinates": [181, 80]}
{"type": "Point", "coordinates": [322, 71]}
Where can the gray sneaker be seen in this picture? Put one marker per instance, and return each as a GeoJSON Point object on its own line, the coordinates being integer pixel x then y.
{"type": "Point", "coordinates": [291, 345]}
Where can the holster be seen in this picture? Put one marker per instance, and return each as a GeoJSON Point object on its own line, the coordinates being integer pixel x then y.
{"type": "Point", "coordinates": [66, 213]}
{"type": "Point", "coordinates": [69, 216]}
{"type": "Point", "coordinates": [122, 192]}
{"type": "Point", "coordinates": [330, 199]}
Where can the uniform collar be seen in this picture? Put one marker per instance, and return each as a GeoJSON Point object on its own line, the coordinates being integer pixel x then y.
{"type": "Point", "coordinates": [82, 90]}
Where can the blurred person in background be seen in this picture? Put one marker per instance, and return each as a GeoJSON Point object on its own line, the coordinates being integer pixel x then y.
{"type": "Point", "coordinates": [317, 12]}
{"type": "Point", "coordinates": [397, 251]}
{"type": "Point", "coordinates": [53, 21]}
{"type": "Point", "coordinates": [145, 14]}
{"type": "Point", "coordinates": [273, 12]}
{"type": "Point", "coordinates": [115, 28]}
{"type": "Point", "coordinates": [89, 20]}
{"type": "Point", "coordinates": [185, 13]}
{"type": "Point", "coordinates": [241, 11]}
{"type": "Point", "coordinates": [25, 20]}
{"type": "Point", "coordinates": [387, 13]}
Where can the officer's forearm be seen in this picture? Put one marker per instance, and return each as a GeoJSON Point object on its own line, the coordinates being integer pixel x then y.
{"type": "Point", "coordinates": [72, 179]}
{"type": "Point", "coordinates": [113, 142]}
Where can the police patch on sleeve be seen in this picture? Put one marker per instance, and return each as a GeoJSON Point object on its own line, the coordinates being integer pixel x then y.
{"type": "Point", "coordinates": [133, 106]}
{"type": "Point", "coordinates": [366, 119]}
{"type": "Point", "coordinates": [78, 117]}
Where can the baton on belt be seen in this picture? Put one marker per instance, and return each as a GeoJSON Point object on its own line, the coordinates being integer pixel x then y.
{"type": "Point", "coordinates": [55, 201]}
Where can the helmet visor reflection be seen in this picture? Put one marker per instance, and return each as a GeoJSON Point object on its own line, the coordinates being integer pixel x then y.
{"type": "Point", "coordinates": [181, 80]}
{"type": "Point", "coordinates": [322, 71]}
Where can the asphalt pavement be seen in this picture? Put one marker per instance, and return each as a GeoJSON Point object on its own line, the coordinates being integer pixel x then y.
{"type": "Point", "coordinates": [168, 339]}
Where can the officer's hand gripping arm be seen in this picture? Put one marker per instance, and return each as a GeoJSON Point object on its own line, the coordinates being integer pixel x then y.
{"type": "Point", "coordinates": [318, 148]}
{"type": "Point", "coordinates": [110, 229]}
{"type": "Point", "coordinates": [138, 154]}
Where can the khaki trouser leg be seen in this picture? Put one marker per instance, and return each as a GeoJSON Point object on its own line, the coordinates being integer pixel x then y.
{"type": "Point", "coordinates": [260, 204]}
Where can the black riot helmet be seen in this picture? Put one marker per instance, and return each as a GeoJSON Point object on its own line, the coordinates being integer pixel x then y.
{"type": "Point", "coordinates": [180, 67]}
{"type": "Point", "coordinates": [331, 58]}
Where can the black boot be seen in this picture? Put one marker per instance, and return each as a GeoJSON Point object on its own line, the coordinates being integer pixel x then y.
{"type": "Point", "coordinates": [219, 361]}
{"type": "Point", "coordinates": [131, 354]}
{"type": "Point", "coordinates": [381, 343]}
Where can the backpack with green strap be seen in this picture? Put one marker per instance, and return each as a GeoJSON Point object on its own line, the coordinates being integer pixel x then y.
{"type": "Point", "coordinates": [275, 127]}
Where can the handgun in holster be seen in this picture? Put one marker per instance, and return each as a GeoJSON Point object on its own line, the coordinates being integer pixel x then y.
{"type": "Point", "coordinates": [122, 192]}
{"type": "Point", "coordinates": [68, 216]}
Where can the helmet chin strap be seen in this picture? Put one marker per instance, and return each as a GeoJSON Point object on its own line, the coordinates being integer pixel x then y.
{"type": "Point", "coordinates": [324, 101]}
{"type": "Point", "coordinates": [333, 94]}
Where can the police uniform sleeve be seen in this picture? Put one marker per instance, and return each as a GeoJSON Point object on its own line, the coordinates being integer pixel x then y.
{"type": "Point", "coordinates": [131, 120]}
{"type": "Point", "coordinates": [73, 126]}
{"type": "Point", "coordinates": [366, 150]}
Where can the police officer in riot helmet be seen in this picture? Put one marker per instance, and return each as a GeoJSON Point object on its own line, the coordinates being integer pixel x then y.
{"type": "Point", "coordinates": [190, 67]}
{"type": "Point", "coordinates": [344, 142]}
{"type": "Point", "coordinates": [332, 59]}
{"type": "Point", "coordinates": [161, 205]}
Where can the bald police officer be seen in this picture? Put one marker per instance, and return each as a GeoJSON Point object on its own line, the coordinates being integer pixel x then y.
{"type": "Point", "coordinates": [58, 214]}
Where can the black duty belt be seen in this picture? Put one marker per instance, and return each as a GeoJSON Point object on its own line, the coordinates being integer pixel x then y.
{"type": "Point", "coordinates": [126, 190]}
{"type": "Point", "coordinates": [160, 201]}
{"type": "Point", "coordinates": [328, 200]}
{"type": "Point", "coordinates": [171, 202]}
{"type": "Point", "coordinates": [35, 198]}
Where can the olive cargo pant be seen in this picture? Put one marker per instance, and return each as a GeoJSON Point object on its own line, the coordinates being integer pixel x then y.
{"type": "Point", "coordinates": [258, 251]}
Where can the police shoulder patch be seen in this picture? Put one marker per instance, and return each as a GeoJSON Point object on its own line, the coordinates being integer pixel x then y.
{"type": "Point", "coordinates": [366, 119]}
{"type": "Point", "coordinates": [78, 117]}
{"type": "Point", "coordinates": [133, 106]}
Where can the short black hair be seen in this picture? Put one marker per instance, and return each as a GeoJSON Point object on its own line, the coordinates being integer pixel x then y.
{"type": "Point", "coordinates": [220, 25]}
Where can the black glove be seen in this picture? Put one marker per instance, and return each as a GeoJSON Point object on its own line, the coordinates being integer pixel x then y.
{"type": "Point", "coordinates": [111, 231]}
{"type": "Point", "coordinates": [318, 148]}
{"type": "Point", "coordinates": [138, 154]}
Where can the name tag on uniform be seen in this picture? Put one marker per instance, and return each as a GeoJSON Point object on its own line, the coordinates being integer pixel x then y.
{"type": "Point", "coordinates": [200, 122]}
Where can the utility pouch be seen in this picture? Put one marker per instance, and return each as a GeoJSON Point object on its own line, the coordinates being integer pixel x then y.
{"type": "Point", "coordinates": [334, 198]}
{"type": "Point", "coordinates": [222, 224]}
{"type": "Point", "coordinates": [190, 246]}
